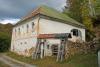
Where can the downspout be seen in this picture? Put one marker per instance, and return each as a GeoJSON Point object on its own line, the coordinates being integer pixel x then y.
{"type": "Point", "coordinates": [38, 26]}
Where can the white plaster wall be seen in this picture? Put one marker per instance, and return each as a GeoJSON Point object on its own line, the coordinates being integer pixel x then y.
{"type": "Point", "coordinates": [24, 41]}
{"type": "Point", "coordinates": [48, 26]}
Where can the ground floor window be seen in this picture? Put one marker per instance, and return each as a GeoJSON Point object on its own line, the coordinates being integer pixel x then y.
{"type": "Point", "coordinates": [76, 32]}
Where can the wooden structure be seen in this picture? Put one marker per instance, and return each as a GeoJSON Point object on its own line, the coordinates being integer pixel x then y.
{"type": "Point", "coordinates": [39, 53]}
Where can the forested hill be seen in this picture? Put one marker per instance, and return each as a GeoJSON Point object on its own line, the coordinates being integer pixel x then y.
{"type": "Point", "coordinates": [5, 36]}
{"type": "Point", "coordinates": [6, 28]}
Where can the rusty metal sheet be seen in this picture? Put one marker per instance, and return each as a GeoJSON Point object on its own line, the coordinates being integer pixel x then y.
{"type": "Point", "coordinates": [58, 35]}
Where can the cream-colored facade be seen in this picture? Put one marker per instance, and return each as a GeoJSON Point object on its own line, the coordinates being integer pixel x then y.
{"type": "Point", "coordinates": [24, 36]}
{"type": "Point", "coordinates": [44, 20]}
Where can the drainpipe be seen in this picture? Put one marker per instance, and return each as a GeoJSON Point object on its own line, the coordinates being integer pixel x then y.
{"type": "Point", "coordinates": [38, 26]}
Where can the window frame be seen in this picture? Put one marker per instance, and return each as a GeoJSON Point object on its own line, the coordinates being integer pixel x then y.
{"type": "Point", "coordinates": [75, 32]}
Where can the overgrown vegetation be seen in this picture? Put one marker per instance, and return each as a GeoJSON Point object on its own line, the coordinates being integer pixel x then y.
{"type": "Point", "coordinates": [81, 60]}
{"type": "Point", "coordinates": [5, 36]}
{"type": "Point", "coordinates": [84, 11]}
{"type": "Point", "coordinates": [3, 64]}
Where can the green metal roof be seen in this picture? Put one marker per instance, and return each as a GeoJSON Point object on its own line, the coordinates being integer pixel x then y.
{"type": "Point", "coordinates": [48, 11]}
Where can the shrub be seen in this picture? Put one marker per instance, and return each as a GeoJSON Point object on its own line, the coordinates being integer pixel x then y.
{"type": "Point", "coordinates": [4, 42]}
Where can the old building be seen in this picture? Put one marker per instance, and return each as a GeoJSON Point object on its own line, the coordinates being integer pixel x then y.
{"type": "Point", "coordinates": [48, 24]}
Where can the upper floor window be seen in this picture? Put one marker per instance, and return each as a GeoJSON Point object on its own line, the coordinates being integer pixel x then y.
{"type": "Point", "coordinates": [33, 26]}
{"type": "Point", "coordinates": [18, 30]}
{"type": "Point", "coordinates": [21, 43]}
{"type": "Point", "coordinates": [27, 28]}
{"type": "Point", "coordinates": [25, 42]}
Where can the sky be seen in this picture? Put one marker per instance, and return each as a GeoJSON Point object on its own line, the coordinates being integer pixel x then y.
{"type": "Point", "coordinates": [12, 10]}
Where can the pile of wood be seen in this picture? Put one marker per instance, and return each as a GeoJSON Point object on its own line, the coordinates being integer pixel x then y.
{"type": "Point", "coordinates": [73, 48]}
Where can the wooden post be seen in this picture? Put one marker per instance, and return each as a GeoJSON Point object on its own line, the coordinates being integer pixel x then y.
{"type": "Point", "coordinates": [42, 43]}
{"type": "Point", "coordinates": [36, 55]}
{"type": "Point", "coordinates": [61, 50]}
{"type": "Point", "coordinates": [58, 55]}
{"type": "Point", "coordinates": [43, 48]}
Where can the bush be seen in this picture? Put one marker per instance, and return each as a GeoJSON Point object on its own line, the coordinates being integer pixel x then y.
{"type": "Point", "coordinates": [4, 42]}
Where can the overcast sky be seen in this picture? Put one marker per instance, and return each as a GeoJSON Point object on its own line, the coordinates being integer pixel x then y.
{"type": "Point", "coordinates": [12, 10]}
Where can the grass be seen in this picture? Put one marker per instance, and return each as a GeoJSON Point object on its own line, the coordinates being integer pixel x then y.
{"type": "Point", "coordinates": [85, 60]}
{"type": "Point", "coordinates": [3, 64]}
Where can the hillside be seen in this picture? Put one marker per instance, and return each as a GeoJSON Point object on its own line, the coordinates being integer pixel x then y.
{"type": "Point", "coordinates": [6, 28]}
{"type": "Point", "coordinates": [5, 36]}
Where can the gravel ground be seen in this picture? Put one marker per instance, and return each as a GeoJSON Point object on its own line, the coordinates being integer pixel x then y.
{"type": "Point", "coordinates": [12, 62]}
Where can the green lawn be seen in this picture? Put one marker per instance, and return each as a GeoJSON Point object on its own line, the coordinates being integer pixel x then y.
{"type": "Point", "coordinates": [88, 60]}
{"type": "Point", "coordinates": [3, 64]}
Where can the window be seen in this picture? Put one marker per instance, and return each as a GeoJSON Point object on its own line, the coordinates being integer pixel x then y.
{"type": "Point", "coordinates": [76, 32]}
{"type": "Point", "coordinates": [21, 43]}
{"type": "Point", "coordinates": [32, 26]}
{"type": "Point", "coordinates": [18, 30]}
{"type": "Point", "coordinates": [25, 42]}
{"type": "Point", "coordinates": [27, 27]}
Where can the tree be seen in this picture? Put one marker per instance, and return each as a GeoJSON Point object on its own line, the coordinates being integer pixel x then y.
{"type": "Point", "coordinates": [4, 42]}
{"type": "Point", "coordinates": [5, 36]}
{"type": "Point", "coordinates": [82, 11]}
{"type": "Point", "coordinates": [86, 15]}
{"type": "Point", "coordinates": [97, 7]}
{"type": "Point", "coordinates": [73, 9]}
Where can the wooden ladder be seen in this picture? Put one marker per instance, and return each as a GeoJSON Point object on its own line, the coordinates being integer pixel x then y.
{"type": "Point", "coordinates": [37, 52]}
{"type": "Point", "coordinates": [61, 50]}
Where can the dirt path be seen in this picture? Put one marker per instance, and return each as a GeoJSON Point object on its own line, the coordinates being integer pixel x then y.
{"type": "Point", "coordinates": [12, 62]}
